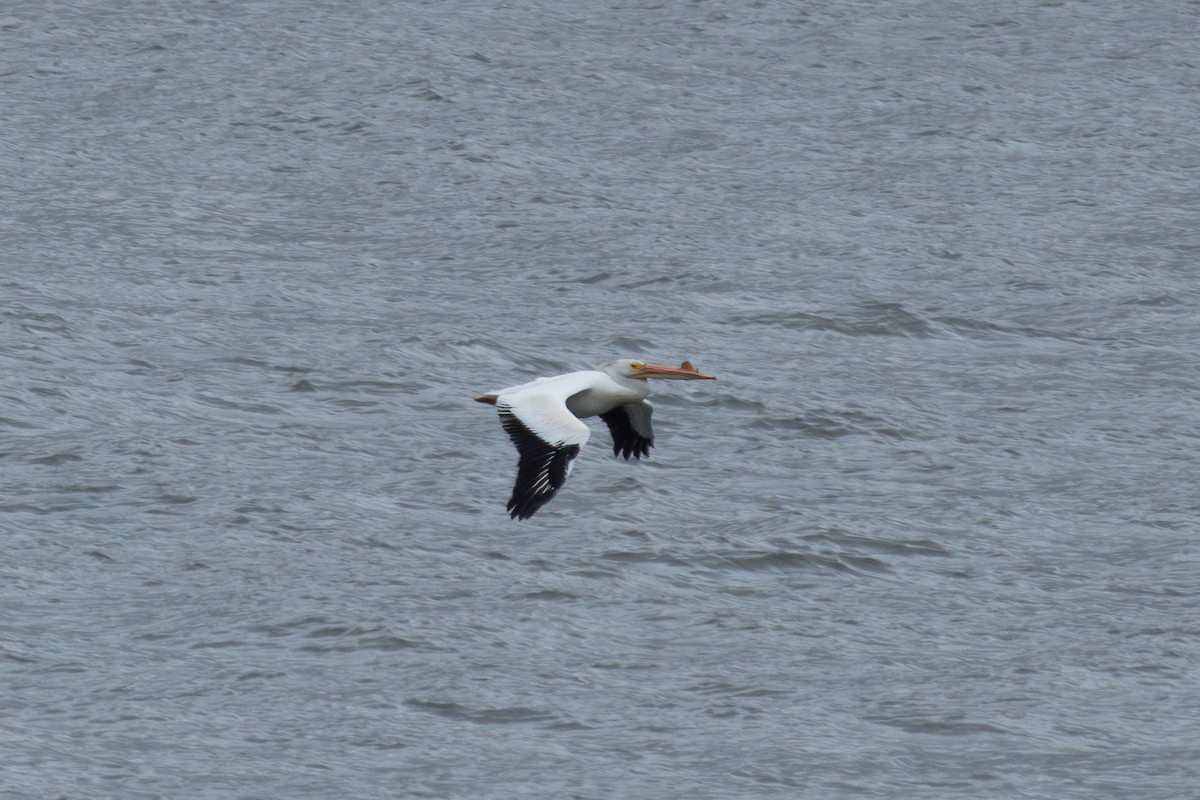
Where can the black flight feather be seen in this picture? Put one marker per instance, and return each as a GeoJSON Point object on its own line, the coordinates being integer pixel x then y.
{"type": "Point", "coordinates": [541, 471]}
{"type": "Point", "coordinates": [626, 441]}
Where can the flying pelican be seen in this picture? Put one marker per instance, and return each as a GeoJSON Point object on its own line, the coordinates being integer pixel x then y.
{"type": "Point", "coordinates": [542, 419]}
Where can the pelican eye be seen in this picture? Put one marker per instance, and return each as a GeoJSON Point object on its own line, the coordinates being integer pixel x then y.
{"type": "Point", "coordinates": [638, 365]}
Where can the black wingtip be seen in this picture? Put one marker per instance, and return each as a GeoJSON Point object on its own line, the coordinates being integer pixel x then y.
{"type": "Point", "coordinates": [626, 439]}
{"type": "Point", "coordinates": [520, 512]}
{"type": "Point", "coordinates": [635, 449]}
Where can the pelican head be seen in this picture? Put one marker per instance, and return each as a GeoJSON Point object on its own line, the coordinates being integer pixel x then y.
{"type": "Point", "coordinates": [632, 368]}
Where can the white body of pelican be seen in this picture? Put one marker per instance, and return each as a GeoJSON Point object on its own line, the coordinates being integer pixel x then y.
{"type": "Point", "coordinates": [542, 418]}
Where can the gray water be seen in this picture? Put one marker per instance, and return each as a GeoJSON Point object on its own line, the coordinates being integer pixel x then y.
{"type": "Point", "coordinates": [932, 534]}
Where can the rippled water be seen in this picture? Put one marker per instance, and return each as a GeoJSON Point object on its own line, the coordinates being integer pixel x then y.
{"type": "Point", "coordinates": [931, 534]}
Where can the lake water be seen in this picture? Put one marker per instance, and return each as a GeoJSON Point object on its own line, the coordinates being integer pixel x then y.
{"type": "Point", "coordinates": [932, 534]}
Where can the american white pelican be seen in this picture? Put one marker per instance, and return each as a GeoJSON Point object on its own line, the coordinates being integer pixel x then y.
{"type": "Point", "coordinates": [542, 419]}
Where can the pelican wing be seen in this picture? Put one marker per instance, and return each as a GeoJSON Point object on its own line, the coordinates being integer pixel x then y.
{"type": "Point", "coordinates": [631, 430]}
{"type": "Point", "coordinates": [548, 437]}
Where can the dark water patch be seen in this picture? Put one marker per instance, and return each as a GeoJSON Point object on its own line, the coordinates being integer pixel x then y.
{"type": "Point", "coordinates": [319, 635]}
{"type": "Point", "coordinates": [791, 320]}
{"type": "Point", "coordinates": [1152, 590]}
{"type": "Point", "coordinates": [291, 627]}
{"type": "Point", "coordinates": [629, 344]}
{"type": "Point", "coordinates": [232, 405]}
{"type": "Point", "coordinates": [90, 489]}
{"type": "Point", "coordinates": [246, 361]}
{"type": "Point", "coordinates": [66, 667]}
{"type": "Point", "coordinates": [45, 391]}
{"type": "Point", "coordinates": [1154, 300]}
{"type": "Point", "coordinates": [635, 666]}
{"type": "Point", "coordinates": [45, 327]}
{"type": "Point", "coordinates": [425, 91]}
{"type": "Point", "coordinates": [988, 330]}
{"type": "Point", "coordinates": [220, 644]}
{"type": "Point", "coordinates": [598, 277]}
{"type": "Point", "coordinates": [259, 508]}
{"type": "Point", "coordinates": [770, 776]}
{"type": "Point", "coordinates": [890, 319]}
{"type": "Point", "coordinates": [366, 406]}
{"type": "Point", "coordinates": [27, 315]}
{"type": "Point", "coordinates": [1169, 522]}
{"type": "Point", "coordinates": [872, 319]}
{"type": "Point", "coordinates": [1169, 631]}
{"type": "Point", "coordinates": [17, 658]}
{"type": "Point", "coordinates": [56, 459]}
{"type": "Point", "coordinates": [899, 547]}
{"type": "Point", "coordinates": [733, 690]}
{"type": "Point", "coordinates": [32, 508]}
{"type": "Point", "coordinates": [555, 595]}
{"type": "Point", "coordinates": [261, 675]}
{"type": "Point", "coordinates": [947, 727]}
{"type": "Point", "coordinates": [379, 743]}
{"type": "Point", "coordinates": [382, 388]}
{"type": "Point", "coordinates": [825, 424]}
{"type": "Point", "coordinates": [18, 423]}
{"type": "Point", "coordinates": [352, 639]}
{"type": "Point", "coordinates": [722, 399]}
{"type": "Point", "coordinates": [638, 284]}
{"type": "Point", "coordinates": [481, 716]}
{"type": "Point", "coordinates": [176, 499]}
{"type": "Point", "coordinates": [794, 561]}
{"type": "Point", "coordinates": [375, 542]}
{"type": "Point", "coordinates": [644, 557]}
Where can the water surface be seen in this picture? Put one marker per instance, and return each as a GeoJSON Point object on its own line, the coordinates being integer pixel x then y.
{"type": "Point", "coordinates": [931, 534]}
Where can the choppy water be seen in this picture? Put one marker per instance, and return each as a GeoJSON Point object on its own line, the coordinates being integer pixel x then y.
{"type": "Point", "coordinates": [932, 534]}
